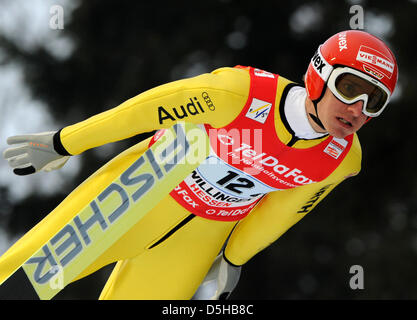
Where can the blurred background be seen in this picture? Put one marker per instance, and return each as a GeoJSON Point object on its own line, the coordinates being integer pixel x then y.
{"type": "Point", "coordinates": [104, 52]}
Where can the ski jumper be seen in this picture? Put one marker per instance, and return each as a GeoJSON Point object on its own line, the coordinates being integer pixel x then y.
{"type": "Point", "coordinates": [263, 182]}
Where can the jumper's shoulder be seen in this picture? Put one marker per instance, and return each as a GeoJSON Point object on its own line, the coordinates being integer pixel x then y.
{"type": "Point", "coordinates": [356, 148]}
{"type": "Point", "coordinates": [351, 164]}
{"type": "Point", "coordinates": [228, 90]}
{"type": "Point", "coordinates": [235, 80]}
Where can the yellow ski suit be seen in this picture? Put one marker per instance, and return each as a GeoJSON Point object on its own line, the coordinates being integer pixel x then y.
{"type": "Point", "coordinates": [166, 254]}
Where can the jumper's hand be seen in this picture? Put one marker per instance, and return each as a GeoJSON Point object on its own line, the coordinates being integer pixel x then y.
{"type": "Point", "coordinates": [35, 152]}
{"type": "Point", "coordinates": [219, 282]}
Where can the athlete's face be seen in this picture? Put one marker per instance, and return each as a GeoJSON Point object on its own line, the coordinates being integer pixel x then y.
{"type": "Point", "coordinates": [340, 119]}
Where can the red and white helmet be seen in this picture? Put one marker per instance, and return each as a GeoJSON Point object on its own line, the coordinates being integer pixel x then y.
{"type": "Point", "coordinates": [355, 49]}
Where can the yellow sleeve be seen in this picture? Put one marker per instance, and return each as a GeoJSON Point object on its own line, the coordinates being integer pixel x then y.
{"type": "Point", "coordinates": [280, 210]}
{"type": "Point", "coordinates": [214, 98]}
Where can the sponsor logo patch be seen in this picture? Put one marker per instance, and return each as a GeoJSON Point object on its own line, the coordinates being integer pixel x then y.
{"type": "Point", "coordinates": [189, 109]}
{"type": "Point", "coordinates": [310, 203]}
{"type": "Point", "coordinates": [376, 59]}
{"type": "Point", "coordinates": [259, 110]}
{"type": "Point", "coordinates": [208, 101]}
{"type": "Point", "coordinates": [321, 66]}
{"type": "Point", "coordinates": [373, 73]}
{"type": "Point", "coordinates": [336, 147]}
{"type": "Point", "coordinates": [342, 41]}
{"type": "Point", "coordinates": [264, 74]}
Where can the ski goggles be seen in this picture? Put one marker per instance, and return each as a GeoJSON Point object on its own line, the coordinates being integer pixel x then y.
{"type": "Point", "coordinates": [350, 86]}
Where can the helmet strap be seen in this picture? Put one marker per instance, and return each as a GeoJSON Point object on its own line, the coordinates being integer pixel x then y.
{"type": "Point", "coordinates": [316, 117]}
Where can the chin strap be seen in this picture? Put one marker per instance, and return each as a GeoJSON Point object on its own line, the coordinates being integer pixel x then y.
{"type": "Point", "coordinates": [316, 117]}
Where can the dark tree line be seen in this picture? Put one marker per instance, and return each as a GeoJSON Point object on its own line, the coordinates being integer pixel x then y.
{"type": "Point", "coordinates": [125, 47]}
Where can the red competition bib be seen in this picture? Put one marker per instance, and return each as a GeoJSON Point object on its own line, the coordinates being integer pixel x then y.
{"type": "Point", "coordinates": [247, 160]}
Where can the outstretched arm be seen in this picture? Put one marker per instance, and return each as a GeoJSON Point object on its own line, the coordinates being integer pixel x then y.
{"type": "Point", "coordinates": [215, 98]}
